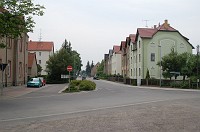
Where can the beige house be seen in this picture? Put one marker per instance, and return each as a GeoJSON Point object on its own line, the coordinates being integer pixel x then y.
{"type": "Point", "coordinates": [94, 69]}
{"type": "Point", "coordinates": [124, 58]}
{"type": "Point", "coordinates": [32, 65]}
{"type": "Point", "coordinates": [15, 55]}
{"type": "Point", "coordinates": [43, 50]}
{"type": "Point", "coordinates": [116, 60]}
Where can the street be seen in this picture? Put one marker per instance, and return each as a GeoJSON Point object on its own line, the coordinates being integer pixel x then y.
{"type": "Point", "coordinates": [111, 107]}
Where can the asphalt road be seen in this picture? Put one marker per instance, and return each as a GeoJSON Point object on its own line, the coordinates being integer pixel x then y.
{"type": "Point", "coordinates": [111, 107]}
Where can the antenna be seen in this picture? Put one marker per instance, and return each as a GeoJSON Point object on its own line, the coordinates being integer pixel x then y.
{"type": "Point", "coordinates": [40, 36]}
{"type": "Point", "coordinates": [146, 22]}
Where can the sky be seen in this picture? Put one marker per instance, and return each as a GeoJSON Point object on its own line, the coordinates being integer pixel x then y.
{"type": "Point", "coordinates": [94, 26]}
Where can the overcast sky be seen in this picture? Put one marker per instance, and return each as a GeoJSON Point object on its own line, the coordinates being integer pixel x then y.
{"type": "Point", "coordinates": [94, 26]}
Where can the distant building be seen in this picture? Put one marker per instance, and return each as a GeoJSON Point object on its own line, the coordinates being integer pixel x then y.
{"type": "Point", "coordinates": [94, 69]}
{"type": "Point", "coordinates": [32, 65]}
{"type": "Point", "coordinates": [116, 61]}
{"type": "Point", "coordinates": [43, 50]}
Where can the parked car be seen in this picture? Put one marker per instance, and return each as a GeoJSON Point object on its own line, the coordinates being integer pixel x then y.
{"type": "Point", "coordinates": [43, 81]}
{"type": "Point", "coordinates": [96, 77]}
{"type": "Point", "coordinates": [34, 82]}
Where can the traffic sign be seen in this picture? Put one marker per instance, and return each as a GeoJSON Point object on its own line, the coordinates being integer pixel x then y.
{"type": "Point", "coordinates": [69, 68]}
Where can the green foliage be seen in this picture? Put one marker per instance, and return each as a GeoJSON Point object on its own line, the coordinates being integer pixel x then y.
{"type": "Point", "coordinates": [147, 74]}
{"type": "Point", "coordinates": [100, 72]}
{"type": "Point", "coordinates": [88, 69]}
{"type": "Point", "coordinates": [179, 85]}
{"type": "Point", "coordinates": [79, 85]}
{"type": "Point", "coordinates": [184, 63]}
{"type": "Point", "coordinates": [87, 85]}
{"type": "Point", "coordinates": [58, 62]}
{"type": "Point", "coordinates": [2, 46]}
{"type": "Point", "coordinates": [39, 69]}
{"type": "Point", "coordinates": [16, 17]}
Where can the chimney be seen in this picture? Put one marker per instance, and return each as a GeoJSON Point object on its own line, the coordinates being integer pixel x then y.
{"type": "Point", "coordinates": [154, 27]}
{"type": "Point", "coordinates": [166, 25]}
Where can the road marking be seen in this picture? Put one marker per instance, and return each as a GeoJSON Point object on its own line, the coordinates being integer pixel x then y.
{"type": "Point", "coordinates": [81, 111]}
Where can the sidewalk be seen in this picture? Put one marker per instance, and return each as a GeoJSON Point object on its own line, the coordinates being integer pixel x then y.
{"type": "Point", "coordinates": [15, 91]}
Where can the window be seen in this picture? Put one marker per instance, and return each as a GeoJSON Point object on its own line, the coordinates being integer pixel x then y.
{"type": "Point", "coordinates": [152, 56]}
{"type": "Point", "coordinates": [40, 53]}
{"type": "Point", "coordinates": [139, 71]}
{"type": "Point", "coordinates": [131, 72]}
{"type": "Point", "coordinates": [20, 45]}
{"type": "Point", "coordinates": [40, 61]}
{"type": "Point", "coordinates": [20, 69]}
{"type": "Point", "coordinates": [139, 44]}
{"type": "Point", "coordinates": [139, 58]}
{"type": "Point", "coordinates": [26, 68]}
{"type": "Point", "coordinates": [131, 60]}
{"type": "Point", "coordinates": [9, 42]}
{"type": "Point", "coordinates": [9, 69]}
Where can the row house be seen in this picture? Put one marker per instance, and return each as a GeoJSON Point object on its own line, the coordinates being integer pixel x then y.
{"type": "Point", "coordinates": [15, 55]}
{"type": "Point", "coordinates": [116, 60]}
{"type": "Point", "coordinates": [43, 50]}
{"type": "Point", "coordinates": [123, 58]}
{"type": "Point", "coordinates": [94, 69]}
{"type": "Point", "coordinates": [143, 50]}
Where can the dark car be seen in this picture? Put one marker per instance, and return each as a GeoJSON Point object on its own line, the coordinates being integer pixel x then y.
{"type": "Point", "coordinates": [34, 82]}
{"type": "Point", "coordinates": [96, 77]}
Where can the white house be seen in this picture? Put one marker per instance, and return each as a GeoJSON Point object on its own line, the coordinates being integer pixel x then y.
{"type": "Point", "coordinates": [116, 60]}
{"type": "Point", "coordinates": [43, 50]}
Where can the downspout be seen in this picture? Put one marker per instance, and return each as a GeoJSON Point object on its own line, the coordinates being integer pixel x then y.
{"type": "Point", "coordinates": [24, 57]}
{"type": "Point", "coordinates": [6, 80]}
{"type": "Point", "coordinates": [143, 59]}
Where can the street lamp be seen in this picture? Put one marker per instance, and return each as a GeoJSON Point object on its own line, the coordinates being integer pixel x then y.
{"type": "Point", "coordinates": [160, 64]}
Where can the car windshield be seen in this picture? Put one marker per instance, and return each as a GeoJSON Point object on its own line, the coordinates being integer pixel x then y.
{"type": "Point", "coordinates": [34, 79]}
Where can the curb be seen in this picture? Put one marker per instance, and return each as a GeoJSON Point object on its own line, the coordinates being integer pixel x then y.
{"type": "Point", "coordinates": [63, 89]}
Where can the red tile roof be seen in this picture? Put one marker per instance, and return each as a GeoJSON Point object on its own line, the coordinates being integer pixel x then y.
{"type": "Point", "coordinates": [150, 32]}
{"type": "Point", "coordinates": [31, 58]}
{"type": "Point", "coordinates": [123, 45]}
{"type": "Point", "coordinates": [132, 37]}
{"type": "Point", "coordinates": [40, 46]}
{"type": "Point", "coordinates": [116, 49]}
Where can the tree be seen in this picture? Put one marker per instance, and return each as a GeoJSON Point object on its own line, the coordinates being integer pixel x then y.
{"type": "Point", "coordinates": [100, 69]}
{"type": "Point", "coordinates": [88, 69]}
{"type": "Point", "coordinates": [170, 63]}
{"type": "Point", "coordinates": [147, 77]}
{"type": "Point", "coordinates": [58, 62]}
{"type": "Point", "coordinates": [39, 69]}
{"type": "Point", "coordinates": [92, 65]}
{"type": "Point", "coordinates": [16, 17]}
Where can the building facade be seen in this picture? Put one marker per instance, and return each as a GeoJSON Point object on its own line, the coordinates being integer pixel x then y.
{"type": "Point", "coordinates": [116, 61]}
{"type": "Point", "coordinates": [15, 55]}
{"type": "Point", "coordinates": [32, 65]}
{"type": "Point", "coordinates": [43, 51]}
{"type": "Point", "coordinates": [151, 44]}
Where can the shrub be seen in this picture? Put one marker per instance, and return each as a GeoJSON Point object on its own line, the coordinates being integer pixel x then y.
{"type": "Point", "coordinates": [180, 84]}
{"type": "Point", "coordinates": [87, 85]}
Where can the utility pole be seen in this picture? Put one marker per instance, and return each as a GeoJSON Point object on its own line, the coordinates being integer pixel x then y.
{"type": "Point", "coordinates": [197, 66]}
